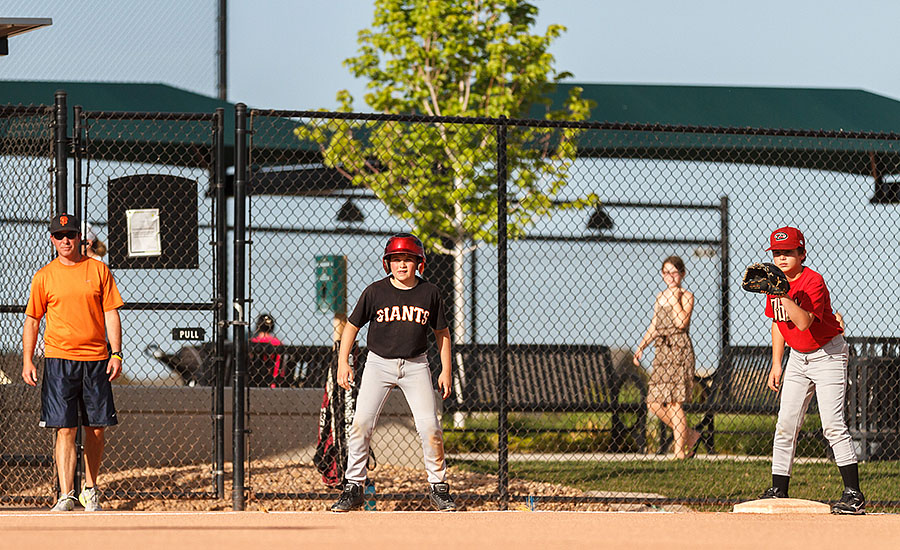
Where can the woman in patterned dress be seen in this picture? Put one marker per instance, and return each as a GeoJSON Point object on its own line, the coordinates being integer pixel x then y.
{"type": "Point", "coordinates": [673, 365]}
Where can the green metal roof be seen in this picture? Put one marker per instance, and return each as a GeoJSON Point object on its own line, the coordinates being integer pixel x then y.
{"type": "Point", "coordinates": [742, 108]}
{"type": "Point", "coordinates": [739, 107]}
{"type": "Point", "coordinates": [736, 112]}
{"type": "Point", "coordinates": [721, 106]}
{"type": "Point", "coordinates": [128, 97]}
{"type": "Point", "coordinates": [140, 98]}
{"type": "Point", "coordinates": [111, 96]}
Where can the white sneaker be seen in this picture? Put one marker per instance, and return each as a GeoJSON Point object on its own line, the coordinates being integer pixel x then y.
{"type": "Point", "coordinates": [65, 503]}
{"type": "Point", "coordinates": [90, 499]}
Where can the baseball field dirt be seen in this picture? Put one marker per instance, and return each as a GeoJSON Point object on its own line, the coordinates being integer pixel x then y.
{"type": "Point", "coordinates": [391, 530]}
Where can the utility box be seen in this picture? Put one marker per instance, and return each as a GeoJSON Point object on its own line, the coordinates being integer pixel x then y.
{"type": "Point", "coordinates": [331, 284]}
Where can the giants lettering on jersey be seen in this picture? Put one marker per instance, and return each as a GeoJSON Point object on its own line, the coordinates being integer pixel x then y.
{"type": "Point", "coordinates": [779, 311]}
{"type": "Point", "coordinates": [412, 314]}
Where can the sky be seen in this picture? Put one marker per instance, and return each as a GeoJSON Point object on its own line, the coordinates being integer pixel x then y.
{"type": "Point", "coordinates": [797, 43]}
{"type": "Point", "coordinates": [287, 54]}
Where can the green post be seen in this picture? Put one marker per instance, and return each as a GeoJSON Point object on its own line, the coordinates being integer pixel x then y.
{"type": "Point", "coordinates": [331, 290]}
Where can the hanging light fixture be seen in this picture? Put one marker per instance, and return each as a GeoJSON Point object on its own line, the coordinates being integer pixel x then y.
{"type": "Point", "coordinates": [886, 192]}
{"type": "Point", "coordinates": [350, 213]}
{"type": "Point", "coordinates": [600, 220]}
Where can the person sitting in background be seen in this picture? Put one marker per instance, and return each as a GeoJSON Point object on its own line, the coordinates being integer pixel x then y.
{"type": "Point", "coordinates": [93, 247]}
{"type": "Point", "coordinates": [271, 362]}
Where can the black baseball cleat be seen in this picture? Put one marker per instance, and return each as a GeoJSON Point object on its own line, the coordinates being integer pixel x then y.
{"type": "Point", "coordinates": [440, 496]}
{"type": "Point", "coordinates": [852, 502]}
{"type": "Point", "coordinates": [351, 498]}
{"type": "Point", "coordinates": [773, 492]}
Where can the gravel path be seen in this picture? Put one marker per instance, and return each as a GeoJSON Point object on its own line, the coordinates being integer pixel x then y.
{"type": "Point", "coordinates": [273, 477]}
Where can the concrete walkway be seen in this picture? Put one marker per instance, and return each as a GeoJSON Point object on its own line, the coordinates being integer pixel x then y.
{"type": "Point", "coordinates": [620, 457]}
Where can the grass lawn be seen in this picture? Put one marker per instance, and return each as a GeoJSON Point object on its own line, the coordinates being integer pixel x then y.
{"type": "Point", "coordinates": [735, 434]}
{"type": "Point", "coordinates": [702, 479]}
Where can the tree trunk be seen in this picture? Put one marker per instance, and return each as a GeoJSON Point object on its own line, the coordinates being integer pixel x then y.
{"type": "Point", "coordinates": [459, 325]}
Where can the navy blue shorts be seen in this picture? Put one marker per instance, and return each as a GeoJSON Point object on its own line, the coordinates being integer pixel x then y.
{"type": "Point", "coordinates": [69, 386]}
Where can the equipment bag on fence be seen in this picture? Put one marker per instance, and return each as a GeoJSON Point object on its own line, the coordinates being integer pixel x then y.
{"type": "Point", "coordinates": [335, 420]}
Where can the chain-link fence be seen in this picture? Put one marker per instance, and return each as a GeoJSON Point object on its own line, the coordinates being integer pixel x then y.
{"type": "Point", "coordinates": [149, 195]}
{"type": "Point", "coordinates": [547, 304]}
{"type": "Point", "coordinates": [146, 187]}
{"type": "Point", "coordinates": [549, 403]}
{"type": "Point", "coordinates": [26, 170]}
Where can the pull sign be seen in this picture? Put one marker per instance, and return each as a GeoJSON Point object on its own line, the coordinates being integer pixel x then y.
{"type": "Point", "coordinates": [189, 333]}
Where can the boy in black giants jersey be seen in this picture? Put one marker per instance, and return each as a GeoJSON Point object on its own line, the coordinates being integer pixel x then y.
{"type": "Point", "coordinates": [401, 309]}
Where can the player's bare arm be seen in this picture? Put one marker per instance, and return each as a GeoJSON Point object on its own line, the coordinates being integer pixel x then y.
{"type": "Point", "coordinates": [801, 318]}
{"type": "Point", "coordinates": [775, 373]}
{"type": "Point", "coordinates": [443, 344]}
{"type": "Point", "coordinates": [29, 340]}
{"type": "Point", "coordinates": [114, 336]}
{"type": "Point", "coordinates": [345, 372]}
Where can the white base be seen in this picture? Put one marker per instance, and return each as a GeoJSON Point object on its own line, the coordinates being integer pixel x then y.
{"type": "Point", "coordinates": [782, 506]}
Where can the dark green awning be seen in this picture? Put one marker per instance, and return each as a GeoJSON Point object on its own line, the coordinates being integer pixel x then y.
{"type": "Point", "coordinates": [687, 108]}
{"type": "Point", "coordinates": [682, 108]}
{"type": "Point", "coordinates": [738, 107]}
{"type": "Point", "coordinates": [141, 98]}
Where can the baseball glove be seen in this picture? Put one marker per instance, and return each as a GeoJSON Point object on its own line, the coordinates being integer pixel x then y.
{"type": "Point", "coordinates": [765, 279]}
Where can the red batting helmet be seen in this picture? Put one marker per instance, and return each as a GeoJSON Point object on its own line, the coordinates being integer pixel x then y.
{"type": "Point", "coordinates": [404, 243]}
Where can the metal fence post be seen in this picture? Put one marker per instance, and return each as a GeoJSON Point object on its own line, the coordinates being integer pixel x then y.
{"type": "Point", "coordinates": [76, 188]}
{"type": "Point", "coordinates": [221, 304]}
{"type": "Point", "coordinates": [76, 165]}
{"type": "Point", "coordinates": [503, 366]}
{"type": "Point", "coordinates": [240, 345]}
{"type": "Point", "coordinates": [726, 312]}
{"type": "Point", "coordinates": [62, 152]}
{"type": "Point", "coordinates": [222, 51]}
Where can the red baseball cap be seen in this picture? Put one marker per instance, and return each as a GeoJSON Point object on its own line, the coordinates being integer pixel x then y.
{"type": "Point", "coordinates": [786, 238]}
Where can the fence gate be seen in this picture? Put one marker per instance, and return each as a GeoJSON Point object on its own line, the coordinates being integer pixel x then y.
{"type": "Point", "coordinates": [149, 193]}
{"type": "Point", "coordinates": [26, 170]}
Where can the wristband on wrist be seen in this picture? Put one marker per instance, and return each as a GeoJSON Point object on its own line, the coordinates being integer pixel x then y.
{"type": "Point", "coordinates": [117, 355]}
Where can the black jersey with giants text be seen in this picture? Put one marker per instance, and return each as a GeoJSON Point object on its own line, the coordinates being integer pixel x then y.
{"type": "Point", "coordinates": [399, 319]}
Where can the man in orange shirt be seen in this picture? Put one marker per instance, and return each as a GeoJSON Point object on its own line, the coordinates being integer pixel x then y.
{"type": "Point", "coordinates": [80, 300]}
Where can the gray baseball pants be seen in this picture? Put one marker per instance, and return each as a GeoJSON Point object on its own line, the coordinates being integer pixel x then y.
{"type": "Point", "coordinates": [413, 377]}
{"type": "Point", "coordinates": [822, 372]}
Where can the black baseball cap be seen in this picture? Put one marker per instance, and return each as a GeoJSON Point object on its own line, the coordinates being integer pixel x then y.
{"type": "Point", "coordinates": [64, 222]}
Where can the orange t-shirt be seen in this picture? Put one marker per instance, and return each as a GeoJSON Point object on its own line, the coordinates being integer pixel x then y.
{"type": "Point", "coordinates": [74, 299]}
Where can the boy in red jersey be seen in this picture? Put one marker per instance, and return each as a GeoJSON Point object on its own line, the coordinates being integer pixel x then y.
{"type": "Point", "coordinates": [816, 365]}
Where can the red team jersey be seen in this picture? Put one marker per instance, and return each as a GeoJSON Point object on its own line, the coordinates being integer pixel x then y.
{"type": "Point", "coordinates": [811, 294]}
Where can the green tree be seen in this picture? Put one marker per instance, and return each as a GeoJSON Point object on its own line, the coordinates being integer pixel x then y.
{"type": "Point", "coordinates": [465, 58]}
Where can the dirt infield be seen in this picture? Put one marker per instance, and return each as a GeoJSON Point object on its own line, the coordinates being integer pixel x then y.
{"type": "Point", "coordinates": [373, 530]}
{"type": "Point", "coordinates": [272, 476]}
